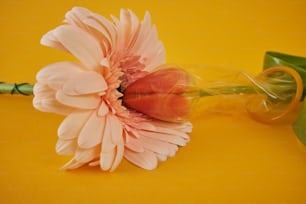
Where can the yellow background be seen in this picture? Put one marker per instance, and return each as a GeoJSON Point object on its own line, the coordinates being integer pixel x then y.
{"type": "Point", "coordinates": [230, 159]}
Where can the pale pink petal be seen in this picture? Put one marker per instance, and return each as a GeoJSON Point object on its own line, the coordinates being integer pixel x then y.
{"type": "Point", "coordinates": [87, 155]}
{"type": "Point", "coordinates": [118, 157]}
{"type": "Point", "coordinates": [143, 33]}
{"type": "Point", "coordinates": [154, 145]}
{"type": "Point", "coordinates": [43, 91]}
{"type": "Point", "coordinates": [85, 19]}
{"type": "Point", "coordinates": [98, 26]}
{"type": "Point", "coordinates": [107, 159]}
{"type": "Point", "coordinates": [50, 40]}
{"type": "Point", "coordinates": [107, 143]}
{"type": "Point", "coordinates": [83, 102]}
{"type": "Point", "coordinates": [105, 28]}
{"type": "Point", "coordinates": [103, 109]}
{"type": "Point", "coordinates": [148, 46]}
{"type": "Point", "coordinates": [171, 138]}
{"type": "Point", "coordinates": [45, 101]}
{"type": "Point", "coordinates": [116, 129]}
{"type": "Point", "coordinates": [172, 131]}
{"type": "Point", "coordinates": [135, 27]}
{"type": "Point", "coordinates": [67, 68]}
{"type": "Point", "coordinates": [91, 133]}
{"type": "Point", "coordinates": [184, 127]}
{"type": "Point", "coordinates": [56, 74]}
{"type": "Point", "coordinates": [76, 16]}
{"type": "Point", "coordinates": [101, 35]}
{"type": "Point", "coordinates": [71, 126]}
{"type": "Point", "coordinates": [94, 163]}
{"type": "Point", "coordinates": [155, 56]}
{"type": "Point", "coordinates": [146, 126]}
{"type": "Point", "coordinates": [134, 144]}
{"type": "Point", "coordinates": [146, 160]}
{"type": "Point", "coordinates": [124, 30]}
{"type": "Point", "coordinates": [161, 157]}
{"type": "Point", "coordinates": [85, 83]}
{"type": "Point", "coordinates": [72, 164]}
{"type": "Point", "coordinates": [112, 144]}
{"type": "Point", "coordinates": [173, 149]}
{"type": "Point", "coordinates": [51, 106]}
{"type": "Point", "coordinates": [109, 27]}
{"type": "Point", "coordinates": [81, 44]}
{"type": "Point", "coordinates": [66, 147]}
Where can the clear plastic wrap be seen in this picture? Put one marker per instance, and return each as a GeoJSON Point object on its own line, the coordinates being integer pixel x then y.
{"type": "Point", "coordinates": [169, 93]}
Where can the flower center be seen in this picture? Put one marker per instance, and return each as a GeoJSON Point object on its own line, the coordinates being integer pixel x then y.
{"type": "Point", "coordinates": [133, 69]}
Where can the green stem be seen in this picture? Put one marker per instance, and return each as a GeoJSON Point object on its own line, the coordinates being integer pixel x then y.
{"type": "Point", "coordinates": [22, 88]}
{"type": "Point", "coordinates": [227, 90]}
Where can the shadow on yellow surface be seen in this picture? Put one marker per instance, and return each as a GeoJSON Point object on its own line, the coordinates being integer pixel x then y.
{"type": "Point", "coordinates": [230, 159]}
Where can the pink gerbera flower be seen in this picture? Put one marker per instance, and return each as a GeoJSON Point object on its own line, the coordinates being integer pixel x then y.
{"type": "Point", "coordinates": [99, 129]}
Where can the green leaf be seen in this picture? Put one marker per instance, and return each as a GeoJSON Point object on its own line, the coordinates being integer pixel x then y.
{"type": "Point", "coordinates": [297, 63]}
{"type": "Point", "coordinates": [273, 59]}
{"type": "Point", "coordinates": [299, 125]}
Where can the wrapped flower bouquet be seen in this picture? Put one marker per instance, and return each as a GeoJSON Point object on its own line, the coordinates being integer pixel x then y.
{"type": "Point", "coordinates": [121, 99]}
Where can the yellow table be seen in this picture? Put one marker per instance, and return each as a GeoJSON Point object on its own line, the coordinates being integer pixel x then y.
{"type": "Point", "coordinates": [230, 159]}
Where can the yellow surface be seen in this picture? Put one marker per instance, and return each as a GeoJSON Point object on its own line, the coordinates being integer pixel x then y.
{"type": "Point", "coordinates": [230, 159]}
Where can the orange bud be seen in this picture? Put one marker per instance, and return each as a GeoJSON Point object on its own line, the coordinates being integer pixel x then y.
{"type": "Point", "coordinates": [161, 94]}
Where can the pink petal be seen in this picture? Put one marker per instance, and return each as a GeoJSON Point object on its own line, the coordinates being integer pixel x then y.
{"type": "Point", "coordinates": [112, 144]}
{"type": "Point", "coordinates": [161, 157]}
{"type": "Point", "coordinates": [66, 147]}
{"type": "Point", "coordinates": [124, 30]}
{"type": "Point", "coordinates": [146, 126]}
{"type": "Point", "coordinates": [94, 163]}
{"type": "Point", "coordinates": [43, 91]}
{"type": "Point", "coordinates": [112, 133]}
{"type": "Point", "coordinates": [171, 138]}
{"type": "Point", "coordinates": [52, 106]}
{"type": "Point", "coordinates": [85, 83]}
{"type": "Point", "coordinates": [173, 149]}
{"type": "Point", "coordinates": [118, 157]}
{"type": "Point", "coordinates": [98, 26]}
{"type": "Point", "coordinates": [141, 37]}
{"type": "Point", "coordinates": [72, 164]}
{"type": "Point", "coordinates": [81, 44]}
{"type": "Point", "coordinates": [76, 16]}
{"type": "Point", "coordinates": [172, 132]}
{"type": "Point", "coordinates": [56, 74]}
{"type": "Point", "coordinates": [91, 133]}
{"type": "Point", "coordinates": [82, 102]}
{"type": "Point", "coordinates": [101, 34]}
{"type": "Point", "coordinates": [143, 33]}
{"type": "Point", "coordinates": [148, 46]}
{"type": "Point", "coordinates": [134, 145]}
{"type": "Point", "coordinates": [103, 109]}
{"type": "Point", "coordinates": [72, 124]}
{"type": "Point", "coordinates": [45, 101]}
{"type": "Point", "coordinates": [116, 129]}
{"type": "Point", "coordinates": [146, 160]}
{"type": "Point", "coordinates": [87, 155]}
{"type": "Point", "coordinates": [108, 25]}
{"type": "Point", "coordinates": [107, 159]}
{"type": "Point", "coordinates": [154, 145]}
{"type": "Point", "coordinates": [50, 40]}
{"type": "Point", "coordinates": [182, 127]}
{"type": "Point", "coordinates": [134, 23]}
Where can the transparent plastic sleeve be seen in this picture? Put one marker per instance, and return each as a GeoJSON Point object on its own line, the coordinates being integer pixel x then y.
{"type": "Point", "coordinates": [170, 92]}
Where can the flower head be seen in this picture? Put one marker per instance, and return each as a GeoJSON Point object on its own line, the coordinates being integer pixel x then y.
{"type": "Point", "coordinates": [98, 129]}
